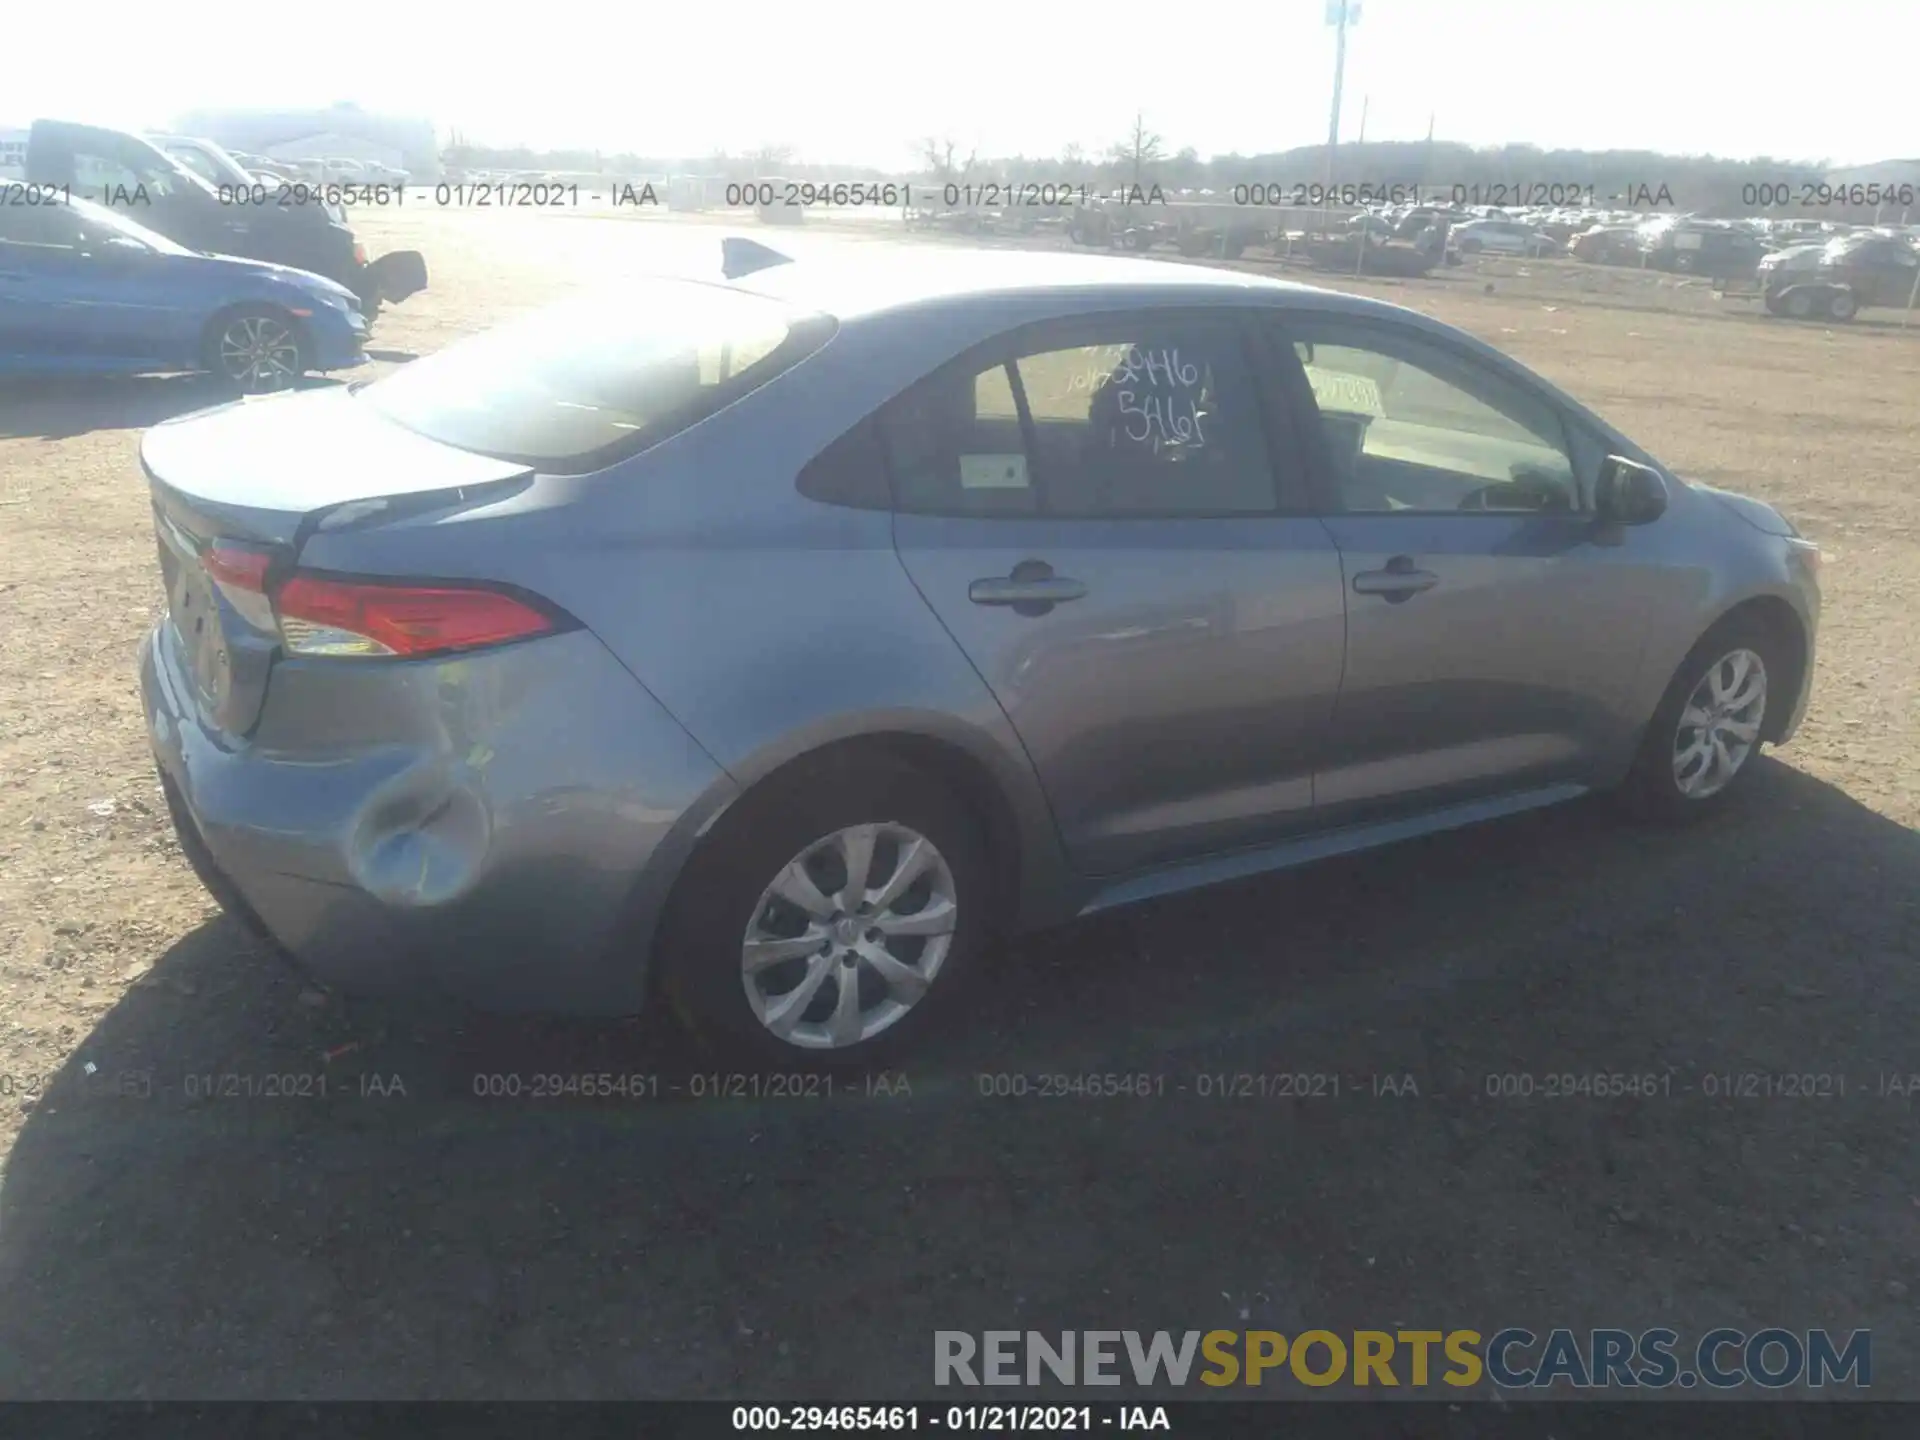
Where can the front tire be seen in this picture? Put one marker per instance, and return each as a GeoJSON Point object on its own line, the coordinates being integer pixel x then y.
{"type": "Point", "coordinates": [1700, 746]}
{"type": "Point", "coordinates": [831, 917]}
{"type": "Point", "coordinates": [255, 349]}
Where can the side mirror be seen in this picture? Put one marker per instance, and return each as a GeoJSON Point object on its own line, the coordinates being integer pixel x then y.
{"type": "Point", "coordinates": [1629, 493]}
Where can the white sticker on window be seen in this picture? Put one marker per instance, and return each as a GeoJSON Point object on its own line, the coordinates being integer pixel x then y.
{"type": "Point", "coordinates": [1343, 390]}
{"type": "Point", "coordinates": [993, 472]}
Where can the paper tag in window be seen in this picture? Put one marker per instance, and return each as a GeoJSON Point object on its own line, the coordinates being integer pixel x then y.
{"type": "Point", "coordinates": [993, 472]}
{"type": "Point", "coordinates": [1339, 390]}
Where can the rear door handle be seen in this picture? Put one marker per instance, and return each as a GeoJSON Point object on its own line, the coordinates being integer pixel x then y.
{"type": "Point", "coordinates": [1401, 580]}
{"type": "Point", "coordinates": [1050, 591]}
{"type": "Point", "coordinates": [1032, 588]}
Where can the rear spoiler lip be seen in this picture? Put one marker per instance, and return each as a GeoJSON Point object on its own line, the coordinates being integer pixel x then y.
{"type": "Point", "coordinates": [287, 531]}
{"type": "Point", "coordinates": [194, 515]}
{"type": "Point", "coordinates": [215, 502]}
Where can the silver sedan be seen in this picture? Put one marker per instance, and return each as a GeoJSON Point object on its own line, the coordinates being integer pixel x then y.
{"type": "Point", "coordinates": [783, 641]}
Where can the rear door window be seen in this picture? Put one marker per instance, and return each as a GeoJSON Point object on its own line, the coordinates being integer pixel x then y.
{"type": "Point", "coordinates": [1141, 415]}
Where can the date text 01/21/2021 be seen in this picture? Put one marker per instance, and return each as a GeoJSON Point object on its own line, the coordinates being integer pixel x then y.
{"type": "Point", "coordinates": [1810, 1084]}
{"type": "Point", "coordinates": [1071, 1419]}
{"type": "Point", "coordinates": [537, 195]}
{"type": "Point", "coordinates": [1496, 194]}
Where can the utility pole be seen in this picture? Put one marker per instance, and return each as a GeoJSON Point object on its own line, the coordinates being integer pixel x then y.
{"type": "Point", "coordinates": [1426, 157]}
{"type": "Point", "coordinates": [1340, 14]}
{"type": "Point", "coordinates": [1362, 138]}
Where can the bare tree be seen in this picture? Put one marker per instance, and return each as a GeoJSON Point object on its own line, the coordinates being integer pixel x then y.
{"type": "Point", "coordinates": [770, 159]}
{"type": "Point", "coordinates": [1141, 149]}
{"type": "Point", "coordinates": [938, 154]}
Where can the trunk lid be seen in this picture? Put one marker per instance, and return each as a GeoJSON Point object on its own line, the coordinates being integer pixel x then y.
{"type": "Point", "coordinates": [257, 476]}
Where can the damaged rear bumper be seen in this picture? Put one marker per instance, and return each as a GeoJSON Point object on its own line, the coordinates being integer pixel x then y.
{"type": "Point", "coordinates": [503, 828]}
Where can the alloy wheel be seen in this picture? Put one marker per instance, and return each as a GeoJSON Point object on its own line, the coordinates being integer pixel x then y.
{"type": "Point", "coordinates": [1720, 724]}
{"type": "Point", "coordinates": [259, 353]}
{"type": "Point", "coordinates": [849, 936]}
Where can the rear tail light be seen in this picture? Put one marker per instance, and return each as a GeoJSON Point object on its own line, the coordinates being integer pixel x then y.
{"type": "Point", "coordinates": [319, 616]}
{"type": "Point", "coordinates": [322, 615]}
{"type": "Point", "coordinates": [241, 575]}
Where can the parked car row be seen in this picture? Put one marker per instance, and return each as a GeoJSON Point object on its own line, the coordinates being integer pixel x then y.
{"type": "Point", "coordinates": [1502, 237]}
{"type": "Point", "coordinates": [520, 177]}
{"type": "Point", "coordinates": [318, 170]}
{"type": "Point", "coordinates": [130, 253]}
{"type": "Point", "coordinates": [1802, 268]}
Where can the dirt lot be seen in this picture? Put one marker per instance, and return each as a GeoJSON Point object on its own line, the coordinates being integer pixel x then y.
{"type": "Point", "coordinates": [431, 1244]}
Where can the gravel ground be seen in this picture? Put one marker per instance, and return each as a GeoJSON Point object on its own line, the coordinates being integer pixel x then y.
{"type": "Point", "coordinates": [402, 1238]}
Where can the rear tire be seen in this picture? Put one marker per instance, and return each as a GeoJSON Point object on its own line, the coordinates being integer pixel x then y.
{"type": "Point", "coordinates": [255, 349]}
{"type": "Point", "coordinates": [741, 963]}
{"type": "Point", "coordinates": [1797, 305]}
{"type": "Point", "coordinates": [1842, 306]}
{"type": "Point", "coordinates": [1667, 784]}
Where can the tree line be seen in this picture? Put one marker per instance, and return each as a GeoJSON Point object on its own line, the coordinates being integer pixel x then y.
{"type": "Point", "coordinates": [1615, 179]}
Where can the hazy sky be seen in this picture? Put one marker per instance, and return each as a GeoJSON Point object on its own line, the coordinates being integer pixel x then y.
{"type": "Point", "coordinates": [857, 81]}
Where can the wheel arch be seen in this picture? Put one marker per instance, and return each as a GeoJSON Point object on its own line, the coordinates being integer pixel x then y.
{"type": "Point", "coordinates": [231, 308]}
{"type": "Point", "coordinates": [1789, 631]}
{"type": "Point", "coordinates": [965, 774]}
{"type": "Point", "coordinates": [998, 786]}
{"type": "Point", "coordinates": [1037, 885]}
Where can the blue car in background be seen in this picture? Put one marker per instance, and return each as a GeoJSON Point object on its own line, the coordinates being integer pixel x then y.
{"type": "Point", "coordinates": [85, 290]}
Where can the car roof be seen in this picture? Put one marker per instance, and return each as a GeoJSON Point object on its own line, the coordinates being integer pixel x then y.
{"type": "Point", "coordinates": [873, 280]}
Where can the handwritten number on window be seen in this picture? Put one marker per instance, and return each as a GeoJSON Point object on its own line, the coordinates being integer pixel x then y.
{"type": "Point", "coordinates": [1164, 415]}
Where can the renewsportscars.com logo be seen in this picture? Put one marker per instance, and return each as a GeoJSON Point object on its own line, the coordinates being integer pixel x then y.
{"type": "Point", "coordinates": [1513, 1359]}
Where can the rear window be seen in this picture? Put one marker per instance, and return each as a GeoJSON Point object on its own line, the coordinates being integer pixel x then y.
{"type": "Point", "coordinates": [583, 384]}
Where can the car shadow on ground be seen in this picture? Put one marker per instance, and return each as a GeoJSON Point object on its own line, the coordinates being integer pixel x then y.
{"type": "Point", "coordinates": [61, 407]}
{"type": "Point", "coordinates": [1316, 1099]}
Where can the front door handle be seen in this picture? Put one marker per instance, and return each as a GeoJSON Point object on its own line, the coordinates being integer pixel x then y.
{"type": "Point", "coordinates": [1401, 580]}
{"type": "Point", "coordinates": [1032, 589]}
